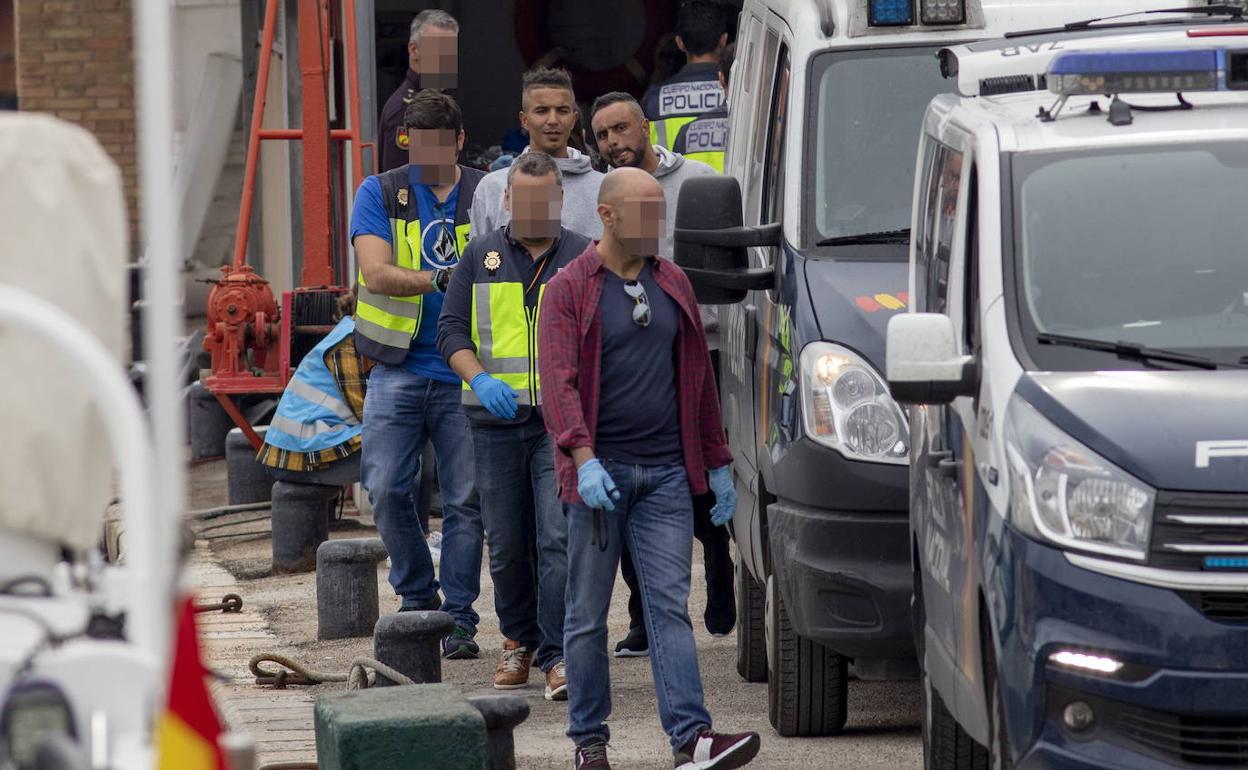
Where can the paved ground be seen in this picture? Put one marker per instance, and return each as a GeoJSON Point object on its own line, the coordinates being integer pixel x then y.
{"type": "Point", "coordinates": [280, 615]}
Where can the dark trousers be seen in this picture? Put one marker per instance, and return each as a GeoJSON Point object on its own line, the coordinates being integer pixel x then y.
{"type": "Point", "coordinates": [715, 557]}
{"type": "Point", "coordinates": [528, 534]}
{"type": "Point", "coordinates": [720, 578]}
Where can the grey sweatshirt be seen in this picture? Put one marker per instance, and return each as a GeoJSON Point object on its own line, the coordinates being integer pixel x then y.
{"type": "Point", "coordinates": [672, 172]}
{"type": "Point", "coordinates": [580, 198]}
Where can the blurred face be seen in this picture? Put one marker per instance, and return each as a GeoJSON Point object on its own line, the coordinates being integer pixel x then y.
{"type": "Point", "coordinates": [436, 58]}
{"type": "Point", "coordinates": [621, 135]}
{"type": "Point", "coordinates": [637, 223]}
{"type": "Point", "coordinates": [548, 116]}
{"type": "Point", "coordinates": [536, 206]}
{"type": "Point", "coordinates": [433, 152]}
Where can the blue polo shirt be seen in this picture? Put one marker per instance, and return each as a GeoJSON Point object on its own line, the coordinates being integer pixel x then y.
{"type": "Point", "coordinates": [438, 249]}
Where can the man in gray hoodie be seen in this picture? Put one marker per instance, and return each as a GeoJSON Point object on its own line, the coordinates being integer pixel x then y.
{"type": "Point", "coordinates": [623, 136]}
{"type": "Point", "coordinates": [548, 113]}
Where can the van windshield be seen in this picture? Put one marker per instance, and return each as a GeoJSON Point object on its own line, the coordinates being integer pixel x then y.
{"type": "Point", "coordinates": [869, 107]}
{"type": "Point", "coordinates": [1146, 246]}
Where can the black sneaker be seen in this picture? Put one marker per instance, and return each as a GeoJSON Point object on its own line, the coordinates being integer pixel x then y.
{"type": "Point", "coordinates": [591, 756]}
{"type": "Point", "coordinates": [460, 645]}
{"type": "Point", "coordinates": [708, 750]}
{"type": "Point", "coordinates": [429, 606]}
{"type": "Point", "coordinates": [720, 618]}
{"type": "Point", "coordinates": [635, 645]}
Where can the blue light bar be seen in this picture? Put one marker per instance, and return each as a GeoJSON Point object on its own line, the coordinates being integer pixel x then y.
{"type": "Point", "coordinates": [1226, 562]}
{"type": "Point", "coordinates": [891, 13]}
{"type": "Point", "coordinates": [1114, 72]}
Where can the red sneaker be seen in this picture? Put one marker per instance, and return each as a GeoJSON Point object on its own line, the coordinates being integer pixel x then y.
{"type": "Point", "coordinates": [591, 756]}
{"type": "Point", "coordinates": [708, 750]}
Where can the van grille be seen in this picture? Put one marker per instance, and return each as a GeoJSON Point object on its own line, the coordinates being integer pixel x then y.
{"type": "Point", "coordinates": [1193, 531]}
{"type": "Point", "coordinates": [1211, 741]}
{"type": "Point", "coordinates": [1179, 740]}
{"type": "Point", "coordinates": [1220, 605]}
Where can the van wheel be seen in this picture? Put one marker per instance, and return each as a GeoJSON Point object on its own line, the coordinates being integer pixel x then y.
{"type": "Point", "coordinates": [807, 684]}
{"type": "Point", "coordinates": [946, 746]}
{"type": "Point", "coordinates": [751, 635]}
{"type": "Point", "coordinates": [1002, 755]}
{"type": "Point", "coordinates": [918, 618]}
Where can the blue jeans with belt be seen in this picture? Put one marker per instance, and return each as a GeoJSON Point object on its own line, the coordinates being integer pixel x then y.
{"type": "Point", "coordinates": [402, 411]}
{"type": "Point", "coordinates": [528, 533]}
{"type": "Point", "coordinates": [654, 517]}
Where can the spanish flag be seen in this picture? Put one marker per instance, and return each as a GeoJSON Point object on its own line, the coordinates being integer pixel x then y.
{"type": "Point", "coordinates": [190, 727]}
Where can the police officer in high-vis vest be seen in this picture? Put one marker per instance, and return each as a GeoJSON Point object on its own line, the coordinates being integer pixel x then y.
{"type": "Point", "coordinates": [706, 137]}
{"type": "Point", "coordinates": [701, 32]}
{"type": "Point", "coordinates": [409, 227]}
{"type": "Point", "coordinates": [432, 62]}
{"type": "Point", "coordinates": [488, 334]}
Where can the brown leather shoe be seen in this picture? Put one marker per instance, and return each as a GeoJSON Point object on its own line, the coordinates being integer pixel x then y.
{"type": "Point", "coordinates": [513, 667]}
{"type": "Point", "coordinates": [557, 682]}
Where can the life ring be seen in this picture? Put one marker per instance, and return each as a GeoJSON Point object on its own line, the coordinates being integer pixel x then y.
{"type": "Point", "coordinates": [536, 47]}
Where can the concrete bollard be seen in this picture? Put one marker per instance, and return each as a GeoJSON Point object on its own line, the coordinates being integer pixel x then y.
{"type": "Point", "coordinates": [301, 514]}
{"type": "Point", "coordinates": [209, 423]}
{"type": "Point", "coordinates": [411, 643]}
{"type": "Point", "coordinates": [502, 714]}
{"type": "Point", "coordinates": [346, 587]}
{"type": "Point", "coordinates": [248, 480]}
{"type": "Point", "coordinates": [421, 727]}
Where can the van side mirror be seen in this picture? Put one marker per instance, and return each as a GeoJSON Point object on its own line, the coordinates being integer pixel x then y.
{"type": "Point", "coordinates": [711, 242]}
{"type": "Point", "coordinates": [923, 362]}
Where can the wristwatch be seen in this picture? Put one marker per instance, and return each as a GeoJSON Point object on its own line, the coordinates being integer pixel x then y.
{"type": "Point", "coordinates": [442, 278]}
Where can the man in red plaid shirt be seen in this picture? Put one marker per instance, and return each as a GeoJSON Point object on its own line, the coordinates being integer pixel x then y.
{"type": "Point", "coordinates": [629, 398]}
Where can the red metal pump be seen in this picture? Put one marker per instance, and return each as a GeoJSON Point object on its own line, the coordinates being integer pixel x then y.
{"type": "Point", "coordinates": [253, 344]}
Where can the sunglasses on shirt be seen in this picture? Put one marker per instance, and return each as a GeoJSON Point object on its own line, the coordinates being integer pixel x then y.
{"type": "Point", "coordinates": [641, 303]}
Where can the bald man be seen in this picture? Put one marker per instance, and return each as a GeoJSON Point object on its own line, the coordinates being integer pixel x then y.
{"type": "Point", "coordinates": [629, 398]}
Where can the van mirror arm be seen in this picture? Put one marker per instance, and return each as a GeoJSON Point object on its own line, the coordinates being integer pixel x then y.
{"type": "Point", "coordinates": [732, 237]}
{"type": "Point", "coordinates": [751, 279]}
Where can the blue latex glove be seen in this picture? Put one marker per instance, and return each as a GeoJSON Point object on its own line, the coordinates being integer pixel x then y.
{"type": "Point", "coordinates": [725, 495]}
{"type": "Point", "coordinates": [595, 486]}
{"type": "Point", "coordinates": [495, 395]}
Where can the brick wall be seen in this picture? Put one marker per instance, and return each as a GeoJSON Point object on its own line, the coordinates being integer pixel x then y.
{"type": "Point", "coordinates": [75, 61]}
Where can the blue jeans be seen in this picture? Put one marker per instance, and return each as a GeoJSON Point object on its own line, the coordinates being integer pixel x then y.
{"type": "Point", "coordinates": [528, 534]}
{"type": "Point", "coordinates": [654, 516]}
{"type": "Point", "coordinates": [401, 412]}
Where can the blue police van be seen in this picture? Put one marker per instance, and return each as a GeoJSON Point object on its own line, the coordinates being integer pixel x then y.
{"type": "Point", "coordinates": [805, 242]}
{"type": "Point", "coordinates": [1076, 352]}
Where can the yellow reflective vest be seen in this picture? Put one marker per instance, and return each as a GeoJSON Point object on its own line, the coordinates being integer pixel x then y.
{"type": "Point", "coordinates": [504, 332]}
{"type": "Point", "coordinates": [493, 306]}
{"type": "Point", "coordinates": [705, 138]}
{"type": "Point", "coordinates": [385, 325]}
{"type": "Point", "coordinates": [677, 101]}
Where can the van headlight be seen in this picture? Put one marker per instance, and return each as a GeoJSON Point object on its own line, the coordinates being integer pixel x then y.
{"type": "Point", "coordinates": [1065, 493]}
{"type": "Point", "coordinates": [846, 406]}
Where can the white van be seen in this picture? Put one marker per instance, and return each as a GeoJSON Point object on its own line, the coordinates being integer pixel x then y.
{"type": "Point", "coordinates": [826, 101]}
{"type": "Point", "coordinates": [1077, 352]}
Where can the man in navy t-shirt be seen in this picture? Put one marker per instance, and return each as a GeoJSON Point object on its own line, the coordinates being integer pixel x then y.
{"type": "Point", "coordinates": [408, 227]}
